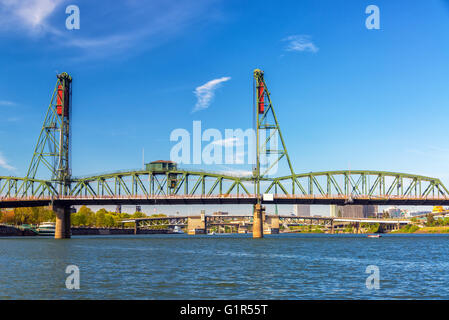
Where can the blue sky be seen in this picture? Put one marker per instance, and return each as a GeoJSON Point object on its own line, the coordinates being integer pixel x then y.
{"type": "Point", "coordinates": [346, 96]}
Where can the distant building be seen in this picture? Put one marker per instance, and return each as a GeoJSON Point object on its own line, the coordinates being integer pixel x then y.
{"type": "Point", "coordinates": [333, 210]}
{"type": "Point", "coordinates": [405, 213]}
{"type": "Point", "coordinates": [393, 212]}
{"type": "Point", "coordinates": [301, 210]}
{"type": "Point", "coordinates": [220, 213]}
{"type": "Point", "coordinates": [370, 211]}
{"type": "Point", "coordinates": [418, 213]}
{"type": "Point", "coordinates": [353, 211]}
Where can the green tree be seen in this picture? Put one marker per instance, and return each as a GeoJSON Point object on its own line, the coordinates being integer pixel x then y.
{"type": "Point", "coordinates": [124, 215]}
{"type": "Point", "coordinates": [430, 220]}
{"type": "Point", "coordinates": [8, 217]}
{"type": "Point", "coordinates": [23, 216]}
{"type": "Point", "coordinates": [42, 214]}
{"type": "Point", "coordinates": [373, 228]}
{"type": "Point", "coordinates": [100, 217]}
{"type": "Point", "coordinates": [137, 215]}
{"type": "Point", "coordinates": [84, 217]}
{"type": "Point", "coordinates": [75, 219]}
{"type": "Point", "coordinates": [109, 220]}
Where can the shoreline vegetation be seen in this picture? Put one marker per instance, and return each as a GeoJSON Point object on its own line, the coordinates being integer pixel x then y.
{"type": "Point", "coordinates": [428, 225]}
{"type": "Point", "coordinates": [411, 228]}
{"type": "Point", "coordinates": [423, 230]}
{"type": "Point", "coordinates": [86, 218]}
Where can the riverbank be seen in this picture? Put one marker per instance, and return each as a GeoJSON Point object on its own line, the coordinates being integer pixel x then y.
{"type": "Point", "coordinates": [14, 231]}
{"type": "Point", "coordinates": [423, 230]}
{"type": "Point", "coordinates": [433, 230]}
{"type": "Point", "coordinates": [85, 231]}
{"type": "Point", "coordinates": [10, 231]}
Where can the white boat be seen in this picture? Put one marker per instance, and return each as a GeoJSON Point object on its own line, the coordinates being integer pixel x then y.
{"type": "Point", "coordinates": [374, 236]}
{"type": "Point", "coordinates": [46, 229]}
{"type": "Point", "coordinates": [177, 229]}
{"type": "Point", "coordinates": [211, 233]}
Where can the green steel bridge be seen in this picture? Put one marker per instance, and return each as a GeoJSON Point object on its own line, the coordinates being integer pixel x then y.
{"type": "Point", "coordinates": [142, 187]}
{"type": "Point", "coordinates": [62, 190]}
{"type": "Point", "coordinates": [198, 187]}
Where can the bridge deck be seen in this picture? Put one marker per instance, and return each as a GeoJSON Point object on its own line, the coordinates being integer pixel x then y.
{"type": "Point", "coordinates": [220, 199]}
{"type": "Point", "coordinates": [218, 219]}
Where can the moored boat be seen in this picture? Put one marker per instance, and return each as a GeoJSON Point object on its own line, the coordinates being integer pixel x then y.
{"type": "Point", "coordinates": [46, 229]}
{"type": "Point", "coordinates": [177, 229]}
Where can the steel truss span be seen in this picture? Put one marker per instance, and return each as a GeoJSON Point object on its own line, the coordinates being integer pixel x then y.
{"type": "Point", "coordinates": [187, 187]}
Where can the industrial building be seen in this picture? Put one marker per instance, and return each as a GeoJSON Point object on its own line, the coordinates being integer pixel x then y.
{"type": "Point", "coordinates": [301, 210]}
{"type": "Point", "coordinates": [354, 211]}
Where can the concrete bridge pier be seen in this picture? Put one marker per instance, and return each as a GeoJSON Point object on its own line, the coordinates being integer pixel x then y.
{"type": "Point", "coordinates": [197, 224]}
{"type": "Point", "coordinates": [136, 227]}
{"type": "Point", "coordinates": [63, 223]}
{"type": "Point", "coordinates": [271, 224]}
{"type": "Point", "coordinates": [258, 219]}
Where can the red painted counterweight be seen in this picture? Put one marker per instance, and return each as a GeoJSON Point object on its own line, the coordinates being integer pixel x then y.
{"type": "Point", "coordinates": [59, 99]}
{"type": "Point", "coordinates": [261, 99]}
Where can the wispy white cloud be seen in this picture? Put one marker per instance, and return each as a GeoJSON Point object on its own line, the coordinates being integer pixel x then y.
{"type": "Point", "coordinates": [4, 163]}
{"type": "Point", "coordinates": [29, 14]}
{"type": "Point", "coordinates": [236, 172]}
{"type": "Point", "coordinates": [7, 103]}
{"type": "Point", "coordinates": [118, 30]}
{"type": "Point", "coordinates": [206, 92]}
{"type": "Point", "coordinates": [229, 142]}
{"type": "Point", "coordinates": [300, 43]}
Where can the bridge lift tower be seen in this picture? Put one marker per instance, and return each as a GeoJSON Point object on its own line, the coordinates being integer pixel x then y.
{"type": "Point", "coordinates": [52, 151]}
{"type": "Point", "coordinates": [270, 146]}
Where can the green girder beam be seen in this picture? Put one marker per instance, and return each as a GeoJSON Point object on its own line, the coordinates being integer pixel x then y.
{"type": "Point", "coordinates": [138, 183]}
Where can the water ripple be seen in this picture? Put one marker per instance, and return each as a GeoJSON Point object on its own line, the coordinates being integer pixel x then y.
{"type": "Point", "coordinates": [226, 267]}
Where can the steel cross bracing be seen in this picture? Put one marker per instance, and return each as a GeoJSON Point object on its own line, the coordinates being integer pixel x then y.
{"type": "Point", "coordinates": [53, 146]}
{"type": "Point", "coordinates": [337, 185]}
{"type": "Point", "coordinates": [354, 186]}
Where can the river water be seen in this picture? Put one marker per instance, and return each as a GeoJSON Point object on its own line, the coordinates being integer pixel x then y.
{"type": "Point", "coordinates": [293, 266]}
